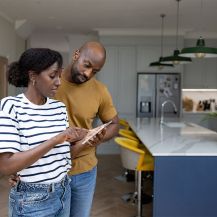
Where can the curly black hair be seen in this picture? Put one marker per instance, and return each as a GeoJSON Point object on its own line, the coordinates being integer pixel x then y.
{"type": "Point", "coordinates": [33, 59]}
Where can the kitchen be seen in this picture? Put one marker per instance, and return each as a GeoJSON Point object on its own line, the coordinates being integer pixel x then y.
{"type": "Point", "coordinates": [129, 51]}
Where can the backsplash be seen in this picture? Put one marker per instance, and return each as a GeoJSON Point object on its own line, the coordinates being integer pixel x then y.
{"type": "Point", "coordinates": [199, 100]}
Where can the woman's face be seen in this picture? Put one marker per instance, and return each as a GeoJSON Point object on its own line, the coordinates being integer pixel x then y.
{"type": "Point", "coordinates": [48, 81]}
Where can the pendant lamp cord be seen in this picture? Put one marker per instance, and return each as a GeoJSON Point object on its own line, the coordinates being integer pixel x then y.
{"type": "Point", "coordinates": [177, 24]}
{"type": "Point", "coordinates": [201, 17]}
{"type": "Point", "coordinates": [162, 32]}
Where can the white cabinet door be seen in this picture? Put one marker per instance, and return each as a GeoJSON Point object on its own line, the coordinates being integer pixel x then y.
{"type": "Point", "coordinates": [147, 54]}
{"type": "Point", "coordinates": [127, 80]}
{"type": "Point", "coordinates": [211, 73]}
{"type": "Point", "coordinates": [193, 75]}
{"type": "Point", "coordinates": [109, 72]}
{"type": "Point", "coordinates": [119, 74]}
{"type": "Point", "coordinates": [201, 73]}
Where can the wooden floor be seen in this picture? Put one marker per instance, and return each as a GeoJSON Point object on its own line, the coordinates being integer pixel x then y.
{"type": "Point", "coordinates": [107, 200]}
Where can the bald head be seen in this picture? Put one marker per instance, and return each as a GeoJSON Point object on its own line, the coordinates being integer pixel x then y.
{"type": "Point", "coordinates": [94, 49]}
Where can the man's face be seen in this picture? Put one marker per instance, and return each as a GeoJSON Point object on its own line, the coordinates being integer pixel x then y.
{"type": "Point", "coordinates": [85, 67]}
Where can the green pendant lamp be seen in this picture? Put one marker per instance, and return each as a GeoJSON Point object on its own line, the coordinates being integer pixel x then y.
{"type": "Point", "coordinates": [200, 51]}
{"type": "Point", "coordinates": [158, 63]}
{"type": "Point", "coordinates": [175, 58]}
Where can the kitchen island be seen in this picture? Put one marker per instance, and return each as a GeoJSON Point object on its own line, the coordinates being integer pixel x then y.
{"type": "Point", "coordinates": [185, 171]}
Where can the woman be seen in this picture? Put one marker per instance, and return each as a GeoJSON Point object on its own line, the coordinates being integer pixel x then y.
{"type": "Point", "coordinates": [34, 138]}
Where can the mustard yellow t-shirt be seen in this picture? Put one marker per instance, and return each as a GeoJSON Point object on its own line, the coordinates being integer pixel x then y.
{"type": "Point", "coordinates": [84, 102]}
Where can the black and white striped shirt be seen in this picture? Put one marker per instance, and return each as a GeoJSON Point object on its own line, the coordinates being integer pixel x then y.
{"type": "Point", "coordinates": [24, 125]}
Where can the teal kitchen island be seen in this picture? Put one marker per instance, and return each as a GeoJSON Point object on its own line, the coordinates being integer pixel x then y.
{"type": "Point", "coordinates": [185, 171]}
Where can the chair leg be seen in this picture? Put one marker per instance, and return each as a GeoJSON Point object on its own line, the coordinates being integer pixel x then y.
{"type": "Point", "coordinates": [139, 196]}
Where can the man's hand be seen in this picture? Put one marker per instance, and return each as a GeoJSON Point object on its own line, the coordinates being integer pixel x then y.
{"type": "Point", "coordinates": [96, 139]}
{"type": "Point", "coordinates": [13, 179]}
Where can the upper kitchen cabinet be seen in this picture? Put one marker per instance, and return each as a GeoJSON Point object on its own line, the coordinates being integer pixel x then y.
{"type": "Point", "coordinates": [147, 54]}
{"type": "Point", "coordinates": [201, 73]}
{"type": "Point", "coordinates": [119, 74]}
{"type": "Point", "coordinates": [108, 74]}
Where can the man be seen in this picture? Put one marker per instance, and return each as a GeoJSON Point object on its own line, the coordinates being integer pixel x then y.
{"type": "Point", "coordinates": [86, 98]}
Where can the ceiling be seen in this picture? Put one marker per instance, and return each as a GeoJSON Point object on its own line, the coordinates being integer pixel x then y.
{"type": "Point", "coordinates": [128, 17]}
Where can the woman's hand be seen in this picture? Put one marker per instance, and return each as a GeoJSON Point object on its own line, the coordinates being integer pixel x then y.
{"type": "Point", "coordinates": [71, 134]}
{"type": "Point", "coordinates": [13, 179]}
{"type": "Point", "coordinates": [93, 141]}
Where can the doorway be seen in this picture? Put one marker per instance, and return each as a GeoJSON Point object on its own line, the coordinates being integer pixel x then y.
{"type": "Point", "coordinates": [3, 77]}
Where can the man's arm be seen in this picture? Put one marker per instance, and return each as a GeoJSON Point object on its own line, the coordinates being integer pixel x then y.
{"type": "Point", "coordinates": [112, 129]}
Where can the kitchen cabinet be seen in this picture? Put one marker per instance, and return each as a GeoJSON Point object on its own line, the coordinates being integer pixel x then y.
{"type": "Point", "coordinates": [119, 74]}
{"type": "Point", "coordinates": [184, 164]}
{"type": "Point", "coordinates": [109, 72]}
{"type": "Point", "coordinates": [147, 54]}
{"type": "Point", "coordinates": [201, 73]}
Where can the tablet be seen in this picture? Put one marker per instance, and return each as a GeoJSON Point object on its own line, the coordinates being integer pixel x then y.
{"type": "Point", "coordinates": [91, 133]}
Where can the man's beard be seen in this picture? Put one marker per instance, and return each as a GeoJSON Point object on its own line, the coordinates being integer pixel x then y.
{"type": "Point", "coordinates": [77, 77]}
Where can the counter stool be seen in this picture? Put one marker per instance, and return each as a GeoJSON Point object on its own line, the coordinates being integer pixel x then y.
{"type": "Point", "coordinates": [128, 176]}
{"type": "Point", "coordinates": [131, 135]}
{"type": "Point", "coordinates": [136, 159]}
{"type": "Point", "coordinates": [128, 134]}
{"type": "Point", "coordinates": [124, 124]}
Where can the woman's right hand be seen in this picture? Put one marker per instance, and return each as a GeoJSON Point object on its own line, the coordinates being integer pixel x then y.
{"type": "Point", "coordinates": [71, 134]}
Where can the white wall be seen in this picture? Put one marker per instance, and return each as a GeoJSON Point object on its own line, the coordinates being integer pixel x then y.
{"type": "Point", "coordinates": [11, 45]}
{"type": "Point", "coordinates": [66, 44]}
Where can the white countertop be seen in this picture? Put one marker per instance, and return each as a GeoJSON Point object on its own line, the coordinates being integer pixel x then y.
{"type": "Point", "coordinates": [192, 140]}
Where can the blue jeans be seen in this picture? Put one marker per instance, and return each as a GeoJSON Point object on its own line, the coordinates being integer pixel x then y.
{"type": "Point", "coordinates": [82, 189]}
{"type": "Point", "coordinates": [40, 200]}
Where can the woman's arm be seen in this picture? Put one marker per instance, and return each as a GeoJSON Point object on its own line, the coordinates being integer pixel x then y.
{"type": "Point", "coordinates": [11, 163]}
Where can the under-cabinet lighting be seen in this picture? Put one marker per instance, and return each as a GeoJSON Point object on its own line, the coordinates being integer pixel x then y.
{"type": "Point", "coordinates": [195, 90]}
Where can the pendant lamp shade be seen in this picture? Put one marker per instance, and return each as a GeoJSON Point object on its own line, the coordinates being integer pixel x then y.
{"type": "Point", "coordinates": [175, 58]}
{"type": "Point", "coordinates": [158, 63]}
{"type": "Point", "coordinates": [200, 51]}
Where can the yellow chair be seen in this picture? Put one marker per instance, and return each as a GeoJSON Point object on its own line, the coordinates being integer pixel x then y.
{"type": "Point", "coordinates": [124, 124]}
{"type": "Point", "coordinates": [131, 135]}
{"type": "Point", "coordinates": [128, 134]}
{"type": "Point", "coordinates": [136, 159]}
{"type": "Point", "coordinates": [128, 175]}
